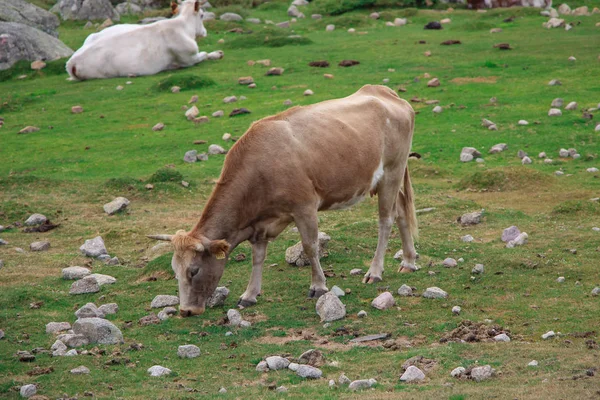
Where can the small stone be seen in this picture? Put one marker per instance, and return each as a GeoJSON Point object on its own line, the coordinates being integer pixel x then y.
{"type": "Point", "coordinates": [103, 279]}
{"type": "Point", "coordinates": [479, 374]}
{"type": "Point", "coordinates": [554, 82]}
{"type": "Point", "coordinates": [192, 113]}
{"type": "Point", "coordinates": [234, 317]}
{"type": "Point", "coordinates": [548, 335]}
{"type": "Point", "coordinates": [230, 99]}
{"type": "Point", "coordinates": [218, 114]}
{"type": "Point", "coordinates": [158, 127]}
{"type": "Point", "coordinates": [193, 99]}
{"type": "Point", "coordinates": [245, 324]}
{"type": "Point", "coordinates": [351, 30]}
{"type": "Point", "coordinates": [188, 351]}
{"type": "Point", "coordinates": [36, 219]}
{"type": "Point", "coordinates": [437, 109]}
{"type": "Point", "coordinates": [157, 370]}
{"type": "Point", "coordinates": [503, 337]}
{"type": "Point", "coordinates": [71, 353]}
{"type": "Point", "coordinates": [245, 80]}
{"type": "Point", "coordinates": [518, 241]}
{"type": "Point", "coordinates": [163, 300]}
{"type": "Point", "coordinates": [190, 156]}
{"type": "Point", "coordinates": [360, 384]}
{"type": "Point", "coordinates": [119, 87]}
{"type": "Point", "coordinates": [435, 82]}
{"type": "Point", "coordinates": [306, 371]}
{"type": "Point", "coordinates": [115, 206]}
{"type": "Point", "coordinates": [175, 89]}
{"type": "Point", "coordinates": [275, 71]}
{"type": "Point", "coordinates": [294, 366]}
{"type": "Point", "coordinates": [81, 370]}
{"type": "Point", "coordinates": [498, 148]}
{"type": "Point", "coordinates": [592, 170]}
{"type": "Point", "coordinates": [330, 308]}
{"type": "Point", "coordinates": [361, 314]}
{"type": "Point", "coordinates": [218, 298]}
{"type": "Point", "coordinates": [496, 30]}
{"type": "Point", "coordinates": [384, 301]}
{"type": "Point", "coordinates": [456, 310]}
{"type": "Point", "coordinates": [288, 102]}
{"type": "Point", "coordinates": [526, 160]}
{"type": "Point", "coordinates": [467, 238]}
{"type": "Point", "coordinates": [400, 21]}
{"type": "Point", "coordinates": [596, 291]}
{"type": "Point", "coordinates": [55, 327]}
{"type": "Point", "coordinates": [316, 16]}
{"type": "Point", "coordinates": [532, 363]}
{"type": "Point", "coordinates": [37, 65]}
{"type": "Point", "coordinates": [478, 269]}
{"type": "Point", "coordinates": [202, 157]}
{"type": "Point", "coordinates": [98, 330]}
{"type": "Point", "coordinates": [560, 279]}
{"type": "Point", "coordinates": [282, 389]}
{"type": "Point", "coordinates": [93, 247]}
{"type": "Point", "coordinates": [276, 362]}
{"type": "Point", "coordinates": [85, 285]}
{"type": "Point", "coordinates": [222, 390]}
{"type": "Point", "coordinates": [522, 122]}
{"type": "Point", "coordinates": [328, 76]}
{"type": "Point", "coordinates": [412, 374]}
{"type": "Point", "coordinates": [337, 291]}
{"type": "Point", "coordinates": [40, 246]}
{"type": "Point", "coordinates": [166, 312]}
{"type": "Point", "coordinates": [356, 271]}
{"type": "Point", "coordinates": [571, 106]}
{"type": "Point", "coordinates": [28, 390]}
{"type": "Point", "coordinates": [216, 149]}
{"type": "Point", "coordinates": [89, 311]}
{"type": "Point", "coordinates": [458, 372]}
{"type": "Point", "coordinates": [558, 173]}
{"type": "Point", "coordinates": [472, 218]}
{"type": "Point", "coordinates": [434, 293]}
{"type": "Point", "coordinates": [110, 308]}
{"type": "Point", "coordinates": [308, 92]}
{"type": "Point", "coordinates": [28, 129]}
{"type": "Point", "coordinates": [554, 112]}
{"type": "Point", "coordinates": [374, 15]}
{"type": "Point", "coordinates": [76, 110]}
{"type": "Point", "coordinates": [262, 366]}
{"type": "Point", "coordinates": [226, 137]}
{"type": "Point", "coordinates": [329, 28]}
{"type": "Point", "coordinates": [343, 380]}
{"type": "Point", "coordinates": [464, 157]}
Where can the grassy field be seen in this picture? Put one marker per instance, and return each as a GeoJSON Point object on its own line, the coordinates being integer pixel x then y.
{"type": "Point", "coordinates": [76, 163]}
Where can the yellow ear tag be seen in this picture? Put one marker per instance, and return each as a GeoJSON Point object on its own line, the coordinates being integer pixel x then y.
{"type": "Point", "coordinates": [220, 255]}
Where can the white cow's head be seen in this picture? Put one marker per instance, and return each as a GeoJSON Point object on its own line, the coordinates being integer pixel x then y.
{"type": "Point", "coordinates": [192, 11]}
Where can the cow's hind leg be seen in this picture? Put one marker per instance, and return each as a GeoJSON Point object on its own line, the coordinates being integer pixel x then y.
{"type": "Point", "coordinates": [409, 254]}
{"type": "Point", "coordinates": [307, 223]}
{"type": "Point", "coordinates": [259, 252]}
{"type": "Point", "coordinates": [387, 192]}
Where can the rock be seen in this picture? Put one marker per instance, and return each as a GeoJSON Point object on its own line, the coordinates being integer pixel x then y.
{"type": "Point", "coordinates": [548, 335]}
{"type": "Point", "coordinates": [412, 374]}
{"type": "Point", "coordinates": [405, 290]}
{"type": "Point", "coordinates": [86, 10]}
{"type": "Point", "coordinates": [118, 204]}
{"type": "Point", "coordinates": [571, 106]}
{"type": "Point", "coordinates": [330, 308]}
{"type": "Point", "coordinates": [230, 99]}
{"type": "Point", "coordinates": [36, 219]}
{"type": "Point", "coordinates": [245, 324]}
{"type": "Point", "coordinates": [478, 269]}
{"type": "Point", "coordinates": [281, 389]}
{"type": "Point", "coordinates": [472, 218]}
{"type": "Point", "coordinates": [479, 374]}
{"type": "Point", "coordinates": [557, 103]}
{"type": "Point", "coordinates": [239, 111]}
{"type": "Point", "coordinates": [234, 317]}
{"type": "Point", "coordinates": [71, 340]}
{"type": "Point", "coordinates": [89, 311]}
{"type": "Point", "coordinates": [85, 285]}
{"type": "Point", "coordinates": [564, 9]}
{"type": "Point", "coordinates": [294, 12]}
{"type": "Point", "coordinates": [330, 28]}
{"type": "Point", "coordinates": [316, 16]}
{"type": "Point", "coordinates": [70, 273]}
{"type": "Point", "coordinates": [510, 233]}
{"type": "Point", "coordinates": [157, 370]}
{"type": "Point", "coordinates": [28, 129]}
{"type": "Point", "coordinates": [526, 160]}
{"type": "Point", "coordinates": [532, 363]}
{"type": "Point", "coordinates": [361, 314]}
{"type": "Point", "coordinates": [245, 80]}
{"type": "Point", "coordinates": [262, 366]}
{"type": "Point", "coordinates": [560, 279]}
{"type": "Point", "coordinates": [163, 300]}
{"type": "Point", "coordinates": [28, 390]}
{"type": "Point", "coordinates": [458, 372]}
{"type": "Point", "coordinates": [356, 271]}
{"type": "Point", "coordinates": [343, 380]}
{"type": "Point", "coordinates": [518, 241]}
{"type": "Point", "coordinates": [190, 156]}
{"type": "Point", "coordinates": [274, 71]}
{"type": "Point", "coordinates": [25, 13]}
{"type": "Point", "coordinates": [435, 82]}
{"type": "Point", "coordinates": [308, 372]}
{"type": "Point", "coordinates": [76, 110]}
{"type": "Point", "coordinates": [435, 293]}
{"type": "Point", "coordinates": [128, 8]}
{"type": "Point", "coordinates": [218, 298]}
{"type": "Point", "coordinates": [563, 153]}
{"type": "Point", "coordinates": [374, 15]}
{"type": "Point", "coordinates": [192, 113]}
{"type": "Point", "coordinates": [158, 127]}
{"type": "Point", "coordinates": [339, 292]}
{"type": "Point", "coordinates": [218, 114]}
{"type": "Point", "coordinates": [456, 310]}
{"type": "Point", "coordinates": [284, 24]}
{"type": "Point", "coordinates": [253, 20]}
{"type": "Point", "coordinates": [400, 21]}
{"type": "Point", "coordinates": [103, 279]}
{"type": "Point", "coordinates": [503, 337]}
{"type": "Point", "coordinates": [295, 255]}
{"type": "Point", "coordinates": [202, 157]}
{"type": "Point", "coordinates": [110, 308]}
{"type": "Point", "coordinates": [81, 370]}
{"type": "Point", "coordinates": [226, 137]}
{"type": "Point", "coordinates": [40, 246]}
{"type": "Point", "coordinates": [384, 301]}
{"type": "Point", "coordinates": [360, 384]}
{"type": "Point", "coordinates": [58, 349]}
{"type": "Point", "coordinates": [596, 291]}
{"type": "Point", "coordinates": [188, 351]}
{"type": "Point", "coordinates": [449, 263]}
{"type": "Point", "coordinates": [71, 353]}
{"type": "Point", "coordinates": [55, 327]}
{"type": "Point", "coordinates": [558, 173]}
{"type": "Point", "coordinates": [498, 148]}
{"type": "Point", "coordinates": [437, 109]}
{"type": "Point", "coordinates": [216, 149]}
{"type": "Point", "coordinates": [222, 390]}
{"type": "Point", "coordinates": [93, 247]}
{"type": "Point", "coordinates": [98, 330]}
{"type": "Point", "coordinates": [308, 92]}
{"type": "Point", "coordinates": [554, 82]}
{"type": "Point", "coordinates": [166, 312]}
{"type": "Point", "coordinates": [312, 357]}
{"type": "Point", "coordinates": [230, 17]}
{"type": "Point", "coordinates": [593, 170]}
{"type": "Point", "coordinates": [277, 362]}
{"type": "Point", "coordinates": [522, 122]}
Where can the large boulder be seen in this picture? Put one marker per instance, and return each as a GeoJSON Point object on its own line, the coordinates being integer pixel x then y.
{"type": "Point", "coordinates": [22, 42]}
{"type": "Point", "coordinates": [86, 10]}
{"type": "Point", "coordinates": [25, 13]}
{"type": "Point", "coordinates": [98, 330]}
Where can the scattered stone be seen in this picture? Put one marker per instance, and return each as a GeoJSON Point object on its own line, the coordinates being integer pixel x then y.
{"type": "Point", "coordinates": [40, 246]}
{"type": "Point", "coordinates": [518, 241]}
{"type": "Point", "coordinates": [89, 311]}
{"type": "Point", "coordinates": [308, 92]}
{"type": "Point", "coordinates": [71, 353]}
{"type": "Point", "coordinates": [85, 285]}
{"type": "Point", "coordinates": [405, 291]}
{"type": "Point", "coordinates": [337, 291]}
{"type": "Point", "coordinates": [222, 390]}
{"type": "Point", "coordinates": [76, 110]}
{"type": "Point", "coordinates": [503, 337]}
{"type": "Point", "coordinates": [192, 113]}
{"type": "Point", "coordinates": [558, 173]}
{"type": "Point", "coordinates": [412, 374]}
{"type": "Point", "coordinates": [330, 308]}
{"type": "Point", "coordinates": [188, 351]}
{"type": "Point", "coordinates": [158, 127]}
{"type": "Point", "coordinates": [467, 238]}
{"type": "Point", "coordinates": [284, 24]}
{"type": "Point", "coordinates": [276, 362]}
{"type": "Point", "coordinates": [28, 390]}
{"type": "Point", "coordinates": [295, 255]}
{"type": "Point", "coordinates": [596, 291]}
{"type": "Point", "coordinates": [510, 233]}
{"type": "Point", "coordinates": [282, 389]}
{"type": "Point", "coordinates": [93, 247]}
{"type": "Point", "coordinates": [554, 82]}
{"type": "Point", "coordinates": [478, 269]}
{"type": "Point", "coordinates": [216, 149]}
{"type": "Point", "coordinates": [571, 106]}
{"type": "Point", "coordinates": [164, 300]}
{"type": "Point", "coordinates": [245, 80]}
{"type": "Point", "coordinates": [288, 102]}
{"type": "Point", "coordinates": [71, 273]}
{"type": "Point", "coordinates": [103, 279]}
{"type": "Point", "coordinates": [361, 314]}
{"type": "Point", "coordinates": [218, 298]}
{"type": "Point", "coordinates": [329, 28]}
{"type": "Point", "coordinates": [449, 263]}
{"type": "Point", "coordinates": [384, 301]}
{"type": "Point", "coordinates": [98, 330]}
{"type": "Point", "coordinates": [458, 372]}
{"type": "Point", "coordinates": [157, 370]}
{"type": "Point", "coordinates": [472, 218]}
{"type": "Point", "coordinates": [437, 109]}
{"type": "Point", "coordinates": [479, 374]}
{"type": "Point", "coordinates": [175, 89]}
{"type": "Point", "coordinates": [234, 317]}
{"type": "Point", "coordinates": [592, 170]}
{"type": "Point", "coordinates": [239, 111]}
{"type": "Point", "coordinates": [36, 219]}
{"type": "Point", "coordinates": [55, 327]}
{"type": "Point", "coordinates": [435, 82]}
{"type": "Point", "coordinates": [548, 335]}
{"type": "Point", "coordinates": [435, 293]}
{"type": "Point", "coordinates": [166, 312]}
{"type": "Point", "coordinates": [275, 71]}
{"type": "Point", "coordinates": [308, 372]}
{"type": "Point", "coordinates": [522, 122]}
{"type": "Point", "coordinates": [374, 15]}
{"type": "Point", "coordinates": [218, 114]}
{"type": "Point", "coordinates": [360, 384]}
{"type": "Point", "coordinates": [190, 156]}
{"type": "Point", "coordinates": [498, 148]}
{"type": "Point", "coordinates": [356, 271]}
{"type": "Point", "coordinates": [400, 21]}
{"type": "Point", "coordinates": [230, 17]}
{"type": "Point", "coordinates": [81, 370]}
{"type": "Point", "coordinates": [532, 363]}
{"type": "Point", "coordinates": [526, 160]}
{"type": "Point", "coordinates": [262, 366]}
{"type": "Point", "coordinates": [456, 310]}
{"type": "Point", "coordinates": [312, 357]}
{"type": "Point", "coordinates": [29, 129]}
{"type": "Point", "coordinates": [110, 308]}
{"type": "Point", "coordinates": [230, 99]}
{"type": "Point", "coordinates": [115, 206]}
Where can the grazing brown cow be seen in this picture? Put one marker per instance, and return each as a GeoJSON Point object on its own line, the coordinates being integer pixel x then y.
{"type": "Point", "coordinates": [286, 168]}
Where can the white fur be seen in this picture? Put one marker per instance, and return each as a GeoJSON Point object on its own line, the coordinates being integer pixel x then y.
{"type": "Point", "coordinates": [128, 49]}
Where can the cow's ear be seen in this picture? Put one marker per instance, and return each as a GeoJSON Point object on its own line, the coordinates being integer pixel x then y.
{"type": "Point", "coordinates": [174, 7]}
{"type": "Point", "coordinates": [197, 6]}
{"type": "Point", "coordinates": [219, 248]}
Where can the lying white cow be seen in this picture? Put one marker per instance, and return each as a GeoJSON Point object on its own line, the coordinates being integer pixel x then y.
{"type": "Point", "coordinates": [144, 49]}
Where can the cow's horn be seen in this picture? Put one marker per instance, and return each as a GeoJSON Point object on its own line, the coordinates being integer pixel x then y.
{"type": "Point", "coordinates": [161, 237]}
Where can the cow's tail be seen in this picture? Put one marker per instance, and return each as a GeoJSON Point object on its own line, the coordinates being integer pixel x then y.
{"type": "Point", "coordinates": [72, 69]}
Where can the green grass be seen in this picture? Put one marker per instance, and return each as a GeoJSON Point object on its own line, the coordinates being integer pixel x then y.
{"type": "Point", "coordinates": [77, 163]}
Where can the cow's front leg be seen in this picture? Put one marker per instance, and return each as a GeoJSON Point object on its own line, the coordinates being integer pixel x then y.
{"type": "Point", "coordinates": [308, 227]}
{"type": "Point", "coordinates": [259, 252]}
{"type": "Point", "coordinates": [187, 60]}
{"type": "Point", "coordinates": [216, 55]}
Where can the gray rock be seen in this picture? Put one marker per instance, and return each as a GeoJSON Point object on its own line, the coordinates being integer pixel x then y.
{"type": "Point", "coordinates": [532, 363]}
{"type": "Point", "coordinates": [71, 273]}
{"type": "Point", "coordinates": [548, 335]}
{"type": "Point", "coordinates": [98, 330]}
{"type": "Point", "coordinates": [262, 366]}
{"type": "Point", "coordinates": [190, 156]}
{"type": "Point", "coordinates": [458, 372]}
{"type": "Point", "coordinates": [284, 24]}
{"type": "Point", "coordinates": [89, 311]}
{"type": "Point", "coordinates": [245, 324]}
{"type": "Point", "coordinates": [384, 301]}
{"type": "Point", "coordinates": [554, 112]}
{"type": "Point", "coordinates": [312, 357]}
{"type": "Point", "coordinates": [253, 20]}
{"type": "Point", "coordinates": [3, 242]}
{"type": "Point", "coordinates": [81, 370]}
{"type": "Point", "coordinates": [85, 285]}
{"type": "Point", "coordinates": [467, 238]}
{"type": "Point", "coordinates": [330, 308]}
{"type": "Point", "coordinates": [498, 148]}
{"type": "Point", "coordinates": [234, 317]}
{"type": "Point", "coordinates": [218, 114]}
{"type": "Point", "coordinates": [343, 380]}
{"type": "Point", "coordinates": [118, 204]}
{"type": "Point", "coordinates": [510, 233]}
{"type": "Point", "coordinates": [571, 106]}
{"type": "Point", "coordinates": [230, 17]}
{"type": "Point", "coordinates": [503, 337]}
{"type": "Point", "coordinates": [361, 314]}
{"type": "Point", "coordinates": [39, 246]}
{"type": "Point", "coordinates": [128, 8]}
{"type": "Point", "coordinates": [157, 370]}
{"type": "Point", "coordinates": [563, 153]}
{"type": "Point", "coordinates": [471, 150]}
{"type": "Point", "coordinates": [316, 16]}
{"type": "Point", "coordinates": [560, 279]}
{"type": "Point", "coordinates": [557, 103]}
{"type": "Point", "coordinates": [412, 374]}
{"type": "Point", "coordinates": [188, 351]}
{"type": "Point", "coordinates": [295, 255]}
{"type": "Point", "coordinates": [55, 327]}
{"type": "Point", "coordinates": [472, 218]}
{"type": "Point", "coordinates": [464, 157]}
{"type": "Point", "coordinates": [93, 247]}
{"type": "Point", "coordinates": [356, 271]}
{"type": "Point", "coordinates": [230, 99]}
{"type": "Point", "coordinates": [293, 367]}
{"type": "Point", "coordinates": [276, 362]}
{"type": "Point", "coordinates": [294, 12]}
{"type": "Point", "coordinates": [360, 384]}
{"type": "Point", "coordinates": [164, 300]}
{"type": "Point", "coordinates": [596, 291]}
{"type": "Point", "coordinates": [308, 372]}
{"type": "Point", "coordinates": [26, 13]}
{"type": "Point", "coordinates": [405, 290]}
{"type": "Point", "coordinates": [478, 269]}
{"type": "Point", "coordinates": [73, 340]}
{"type": "Point", "coordinates": [1, 334]}
{"type": "Point", "coordinates": [202, 157]}
{"type": "Point", "coordinates": [555, 82]}
{"type": "Point", "coordinates": [456, 310]}
{"type": "Point", "coordinates": [35, 219]}
{"type": "Point", "coordinates": [526, 160]}
{"type": "Point", "coordinates": [330, 28]}
{"type": "Point", "coordinates": [518, 241]}
{"type": "Point", "coordinates": [216, 149]}
{"type": "Point", "coordinates": [281, 389]}
{"type": "Point", "coordinates": [28, 390]}
{"type": "Point", "coordinates": [222, 390]}
{"type": "Point", "coordinates": [71, 353]}
{"type": "Point", "coordinates": [435, 293]}
{"type": "Point", "coordinates": [437, 109]}
{"type": "Point", "coordinates": [58, 348]}
{"type": "Point", "coordinates": [487, 123]}
{"type": "Point", "coordinates": [86, 10]}
{"type": "Point", "coordinates": [103, 279]}
{"type": "Point", "coordinates": [113, 261]}
{"type": "Point", "coordinates": [218, 298]}
{"type": "Point", "coordinates": [482, 373]}
{"type": "Point", "coordinates": [449, 263]}
{"type": "Point", "coordinates": [339, 292]}
{"type": "Point", "coordinates": [166, 312]}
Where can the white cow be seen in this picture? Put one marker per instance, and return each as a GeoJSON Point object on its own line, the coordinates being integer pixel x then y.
{"type": "Point", "coordinates": [143, 49]}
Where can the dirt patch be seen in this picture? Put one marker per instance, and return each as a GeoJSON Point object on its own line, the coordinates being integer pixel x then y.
{"type": "Point", "coordinates": [468, 331]}
{"type": "Point", "coordinates": [477, 79]}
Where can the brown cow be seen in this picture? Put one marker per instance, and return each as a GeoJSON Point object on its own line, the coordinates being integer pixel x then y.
{"type": "Point", "coordinates": [285, 168]}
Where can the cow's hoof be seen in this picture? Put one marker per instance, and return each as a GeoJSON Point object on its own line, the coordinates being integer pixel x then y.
{"type": "Point", "coordinates": [245, 303]}
{"type": "Point", "coordinates": [404, 270]}
{"type": "Point", "coordinates": [371, 278]}
{"type": "Point", "coordinates": [315, 294]}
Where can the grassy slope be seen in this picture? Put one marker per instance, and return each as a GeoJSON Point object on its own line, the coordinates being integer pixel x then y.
{"type": "Point", "coordinates": [51, 172]}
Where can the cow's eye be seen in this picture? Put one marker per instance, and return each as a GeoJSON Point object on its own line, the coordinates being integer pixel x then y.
{"type": "Point", "coordinates": [194, 271]}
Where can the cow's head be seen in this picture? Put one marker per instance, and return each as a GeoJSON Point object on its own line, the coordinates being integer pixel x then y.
{"type": "Point", "coordinates": [192, 9]}
{"type": "Point", "coordinates": [198, 263]}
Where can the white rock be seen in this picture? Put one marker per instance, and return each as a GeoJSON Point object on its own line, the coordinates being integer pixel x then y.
{"type": "Point", "coordinates": [412, 374]}
{"type": "Point", "coordinates": [295, 255]}
{"type": "Point", "coordinates": [93, 247]}
{"type": "Point", "coordinates": [329, 28]}
{"type": "Point", "coordinates": [437, 109]}
{"type": "Point", "coordinates": [98, 330]}
{"type": "Point", "coordinates": [435, 293]}
{"type": "Point", "coordinates": [405, 290]}
{"type": "Point", "coordinates": [571, 106]}
{"type": "Point", "coordinates": [192, 113]}
{"type": "Point", "coordinates": [557, 103]}
{"type": "Point", "coordinates": [464, 157]}
{"type": "Point", "coordinates": [356, 271]}
{"type": "Point", "coordinates": [28, 390]}
{"type": "Point", "coordinates": [163, 300]}
{"type": "Point", "coordinates": [560, 279]}
{"type": "Point", "coordinates": [262, 366]}
{"type": "Point", "coordinates": [384, 301]}
{"type": "Point", "coordinates": [542, 155]}
{"type": "Point", "coordinates": [157, 370]}
{"type": "Point", "coordinates": [309, 372]}
{"type": "Point", "coordinates": [234, 317]}
{"type": "Point", "coordinates": [479, 374]}
{"type": "Point", "coordinates": [467, 238]}
{"type": "Point", "coordinates": [526, 160]}
{"type": "Point", "coordinates": [222, 390]}
{"type": "Point", "coordinates": [330, 308]}
{"type": "Point", "coordinates": [36, 219]}
{"type": "Point", "coordinates": [532, 363]}
{"type": "Point", "coordinates": [218, 298]}
{"type": "Point", "coordinates": [118, 204]}
{"type": "Point", "coordinates": [518, 241]}
{"type": "Point", "coordinates": [55, 327]}
{"type": "Point", "coordinates": [71, 353]}
{"type": "Point", "coordinates": [400, 21]}
{"type": "Point", "coordinates": [548, 335]}
{"type": "Point", "coordinates": [523, 122]}
{"type": "Point", "coordinates": [230, 99]}
{"type": "Point", "coordinates": [282, 389]}
{"type": "Point", "coordinates": [293, 367]}
{"type": "Point", "coordinates": [503, 337]}
{"type": "Point", "coordinates": [343, 380]}
{"type": "Point", "coordinates": [477, 269]}
{"type": "Point", "coordinates": [339, 292]}
{"type": "Point", "coordinates": [558, 173]}
{"type": "Point", "coordinates": [554, 112]}
{"type": "Point", "coordinates": [218, 114]}
{"type": "Point", "coordinates": [593, 169]}
{"type": "Point", "coordinates": [216, 149]}
{"type": "Point", "coordinates": [81, 370]}
{"type": "Point", "coordinates": [308, 92]}
{"type": "Point", "coordinates": [188, 351]}
{"type": "Point", "coordinates": [277, 362]}
{"type": "Point", "coordinates": [361, 314]}
{"type": "Point", "coordinates": [457, 372]}
{"type": "Point", "coordinates": [360, 384]}
{"type": "Point", "coordinates": [103, 279]}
